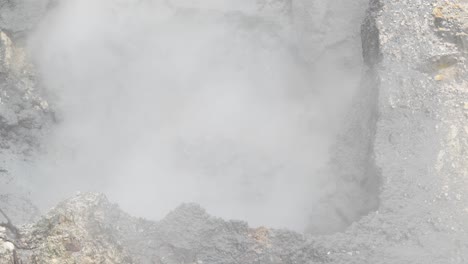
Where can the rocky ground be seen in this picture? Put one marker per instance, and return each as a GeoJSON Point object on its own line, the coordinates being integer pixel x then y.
{"type": "Point", "coordinates": [413, 105]}
{"type": "Point", "coordinates": [24, 113]}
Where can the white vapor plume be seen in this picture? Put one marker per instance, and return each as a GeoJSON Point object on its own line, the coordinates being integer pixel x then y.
{"type": "Point", "coordinates": [221, 103]}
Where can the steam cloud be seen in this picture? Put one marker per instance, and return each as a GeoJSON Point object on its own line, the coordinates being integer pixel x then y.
{"type": "Point", "coordinates": [214, 103]}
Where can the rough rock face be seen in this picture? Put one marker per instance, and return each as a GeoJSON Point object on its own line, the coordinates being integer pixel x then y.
{"type": "Point", "coordinates": [89, 229]}
{"type": "Point", "coordinates": [420, 137]}
{"type": "Point", "coordinates": [24, 117]}
{"type": "Point", "coordinates": [416, 97]}
{"type": "Point", "coordinates": [24, 112]}
{"type": "Point", "coordinates": [80, 230]}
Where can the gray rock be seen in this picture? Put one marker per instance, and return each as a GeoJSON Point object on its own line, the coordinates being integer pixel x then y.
{"type": "Point", "coordinates": [89, 229]}
{"type": "Point", "coordinates": [8, 118]}
{"type": "Point", "coordinates": [24, 112]}
{"type": "Point", "coordinates": [17, 16]}
{"type": "Point", "coordinates": [419, 80]}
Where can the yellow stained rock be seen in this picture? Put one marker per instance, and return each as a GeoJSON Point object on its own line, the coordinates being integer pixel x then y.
{"type": "Point", "coordinates": [439, 77]}
{"type": "Point", "coordinates": [438, 12]}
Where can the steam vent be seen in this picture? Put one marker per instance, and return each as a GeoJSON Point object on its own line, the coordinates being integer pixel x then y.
{"type": "Point", "coordinates": [233, 131]}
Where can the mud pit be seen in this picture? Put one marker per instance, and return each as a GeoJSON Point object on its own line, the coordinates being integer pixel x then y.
{"type": "Point", "coordinates": [403, 119]}
{"type": "Point", "coordinates": [236, 107]}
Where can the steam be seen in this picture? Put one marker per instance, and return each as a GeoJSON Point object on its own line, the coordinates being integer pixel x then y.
{"type": "Point", "coordinates": [217, 103]}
